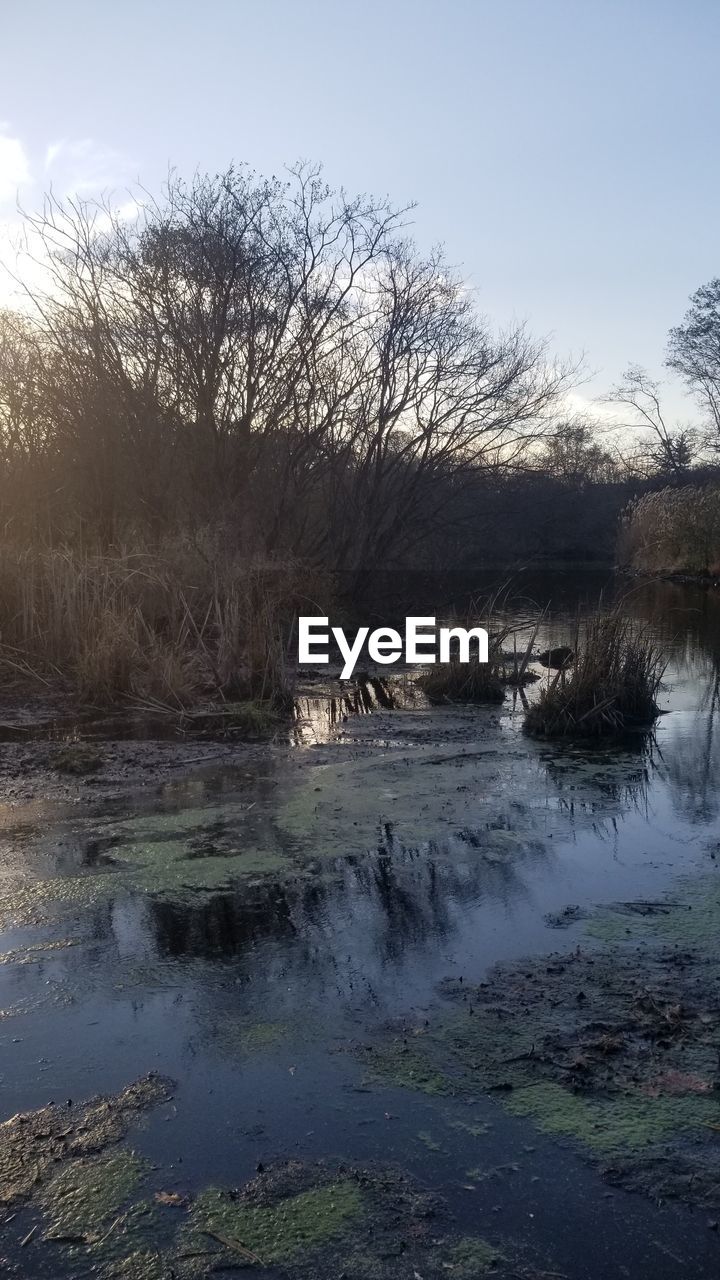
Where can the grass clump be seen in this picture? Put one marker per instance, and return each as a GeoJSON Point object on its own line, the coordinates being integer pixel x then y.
{"type": "Point", "coordinates": [612, 687]}
{"type": "Point", "coordinates": [457, 681]}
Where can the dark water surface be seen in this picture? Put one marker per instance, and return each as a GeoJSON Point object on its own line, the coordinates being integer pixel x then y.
{"type": "Point", "coordinates": [409, 865]}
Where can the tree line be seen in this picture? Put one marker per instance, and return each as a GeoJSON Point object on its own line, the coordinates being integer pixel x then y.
{"type": "Point", "coordinates": [280, 360]}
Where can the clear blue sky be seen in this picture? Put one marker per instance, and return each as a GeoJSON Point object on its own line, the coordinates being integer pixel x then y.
{"type": "Point", "coordinates": [564, 151]}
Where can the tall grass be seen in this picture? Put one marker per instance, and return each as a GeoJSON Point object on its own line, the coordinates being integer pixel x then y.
{"type": "Point", "coordinates": [612, 687]}
{"type": "Point", "coordinates": [168, 625]}
{"type": "Point", "coordinates": [673, 531]}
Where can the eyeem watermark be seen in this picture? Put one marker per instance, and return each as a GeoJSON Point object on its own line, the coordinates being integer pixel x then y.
{"type": "Point", "coordinates": [422, 643]}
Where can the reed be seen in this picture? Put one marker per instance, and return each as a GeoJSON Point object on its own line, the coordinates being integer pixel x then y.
{"type": "Point", "coordinates": [611, 687]}
{"type": "Point", "coordinates": [173, 624]}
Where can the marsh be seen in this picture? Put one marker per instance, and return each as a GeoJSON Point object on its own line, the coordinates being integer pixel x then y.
{"type": "Point", "coordinates": [289, 935]}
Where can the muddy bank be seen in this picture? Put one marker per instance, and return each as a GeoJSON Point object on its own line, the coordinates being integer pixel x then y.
{"type": "Point", "coordinates": [52, 750]}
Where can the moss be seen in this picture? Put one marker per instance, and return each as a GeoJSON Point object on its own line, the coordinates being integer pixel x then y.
{"type": "Point", "coordinates": [85, 1195]}
{"type": "Point", "coordinates": [77, 758]}
{"type": "Point", "coordinates": [626, 1123]}
{"type": "Point", "coordinates": [281, 1231]}
{"type": "Point", "coordinates": [472, 1257]}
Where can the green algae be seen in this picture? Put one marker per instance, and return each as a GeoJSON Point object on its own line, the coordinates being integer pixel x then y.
{"type": "Point", "coordinates": [169, 867]}
{"type": "Point", "coordinates": [236, 1037]}
{"type": "Point", "coordinates": [85, 1195]}
{"type": "Point", "coordinates": [345, 805]}
{"type": "Point", "coordinates": [691, 918]}
{"type": "Point", "coordinates": [140, 1265]}
{"type": "Point", "coordinates": [38, 901]}
{"type": "Point", "coordinates": [295, 1219]}
{"type": "Point", "coordinates": [477, 1130]}
{"type": "Point", "coordinates": [472, 1257]}
{"type": "Point", "coordinates": [392, 1061]}
{"type": "Point", "coordinates": [177, 823]}
{"type": "Point", "coordinates": [627, 1123]}
{"type": "Point", "coordinates": [165, 868]}
{"type": "Point", "coordinates": [614, 1049]}
{"type": "Point", "coordinates": [280, 1231]}
{"type": "Point", "coordinates": [429, 1142]}
{"type": "Point", "coordinates": [37, 951]}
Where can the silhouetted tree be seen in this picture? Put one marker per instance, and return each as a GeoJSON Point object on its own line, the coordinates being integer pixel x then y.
{"type": "Point", "coordinates": [670, 451]}
{"type": "Point", "coordinates": [276, 355]}
{"type": "Point", "coordinates": [694, 352]}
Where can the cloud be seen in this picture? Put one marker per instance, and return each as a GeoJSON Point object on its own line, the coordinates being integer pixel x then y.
{"type": "Point", "coordinates": [14, 166]}
{"type": "Point", "coordinates": [604, 414]}
{"type": "Point", "coordinates": [79, 167]}
{"type": "Point", "coordinates": [84, 167]}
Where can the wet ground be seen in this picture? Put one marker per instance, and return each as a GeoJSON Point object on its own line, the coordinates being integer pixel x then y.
{"type": "Point", "coordinates": [463, 982]}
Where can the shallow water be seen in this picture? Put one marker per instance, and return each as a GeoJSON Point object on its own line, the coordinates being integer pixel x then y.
{"type": "Point", "coordinates": [409, 845]}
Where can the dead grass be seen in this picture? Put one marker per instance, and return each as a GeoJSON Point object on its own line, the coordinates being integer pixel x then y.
{"type": "Point", "coordinates": [172, 624]}
{"type": "Point", "coordinates": [673, 530]}
{"type": "Point", "coordinates": [612, 686]}
{"type": "Point", "coordinates": [457, 681]}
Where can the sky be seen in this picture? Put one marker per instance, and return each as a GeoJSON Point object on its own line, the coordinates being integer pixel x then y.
{"type": "Point", "coordinates": [563, 151]}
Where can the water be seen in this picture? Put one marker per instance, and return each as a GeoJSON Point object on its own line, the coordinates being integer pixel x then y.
{"type": "Point", "coordinates": [412, 845]}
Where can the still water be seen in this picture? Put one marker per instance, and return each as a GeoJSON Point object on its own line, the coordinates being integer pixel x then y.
{"type": "Point", "coordinates": [245, 930]}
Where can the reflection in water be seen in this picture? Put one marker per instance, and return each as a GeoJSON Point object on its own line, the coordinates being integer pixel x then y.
{"type": "Point", "coordinates": [317, 716]}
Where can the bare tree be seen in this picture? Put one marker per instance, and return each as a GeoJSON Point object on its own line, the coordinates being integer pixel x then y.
{"type": "Point", "coordinates": [670, 450]}
{"type": "Point", "coordinates": [573, 453]}
{"type": "Point", "coordinates": [277, 355]}
{"type": "Point", "coordinates": [694, 353]}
